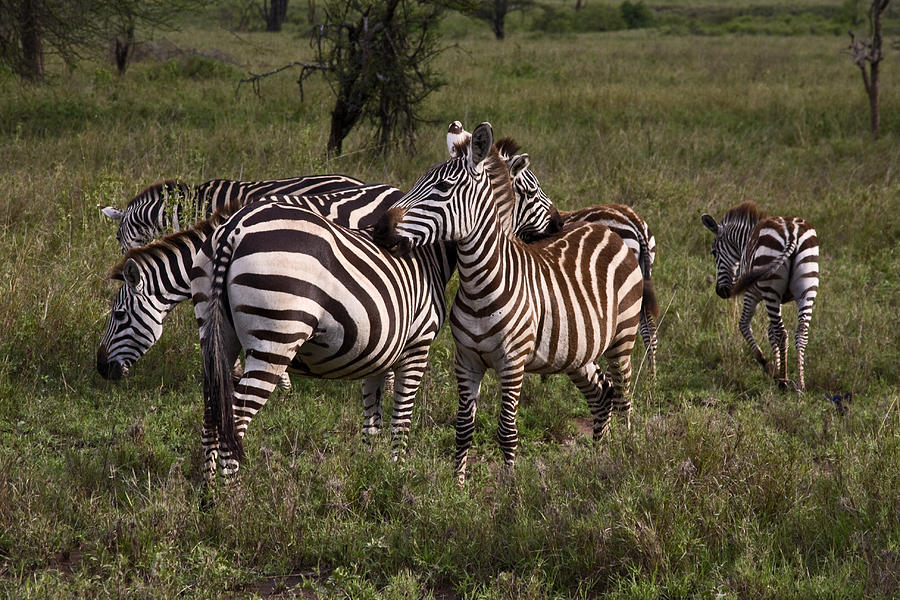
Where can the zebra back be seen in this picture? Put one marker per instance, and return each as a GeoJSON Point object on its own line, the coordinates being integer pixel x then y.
{"type": "Point", "coordinates": [171, 205]}
{"type": "Point", "coordinates": [158, 276]}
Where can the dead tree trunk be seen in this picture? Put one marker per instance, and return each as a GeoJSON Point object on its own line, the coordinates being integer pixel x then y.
{"type": "Point", "coordinates": [866, 54]}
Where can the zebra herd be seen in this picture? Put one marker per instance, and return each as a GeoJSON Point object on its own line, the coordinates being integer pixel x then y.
{"type": "Point", "coordinates": [329, 277]}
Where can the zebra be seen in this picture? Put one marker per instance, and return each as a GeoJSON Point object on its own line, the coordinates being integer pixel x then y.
{"type": "Point", "coordinates": [287, 286]}
{"type": "Point", "coordinates": [774, 259]}
{"type": "Point", "coordinates": [156, 209]}
{"type": "Point", "coordinates": [555, 305]}
{"type": "Point", "coordinates": [172, 205]}
{"type": "Point", "coordinates": [621, 219]}
{"type": "Point", "coordinates": [157, 277]}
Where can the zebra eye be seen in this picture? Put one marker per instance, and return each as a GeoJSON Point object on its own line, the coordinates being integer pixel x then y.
{"type": "Point", "coordinates": [119, 314]}
{"type": "Point", "coordinates": [442, 186]}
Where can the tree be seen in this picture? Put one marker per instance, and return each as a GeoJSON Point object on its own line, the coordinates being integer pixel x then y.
{"type": "Point", "coordinates": [495, 12]}
{"type": "Point", "coordinates": [866, 54]}
{"type": "Point", "coordinates": [274, 12]}
{"type": "Point", "coordinates": [69, 28]}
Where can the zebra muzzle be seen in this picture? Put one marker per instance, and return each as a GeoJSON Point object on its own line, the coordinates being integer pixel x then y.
{"type": "Point", "coordinates": [110, 369]}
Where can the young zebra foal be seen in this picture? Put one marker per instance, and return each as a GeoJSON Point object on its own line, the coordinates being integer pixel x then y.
{"type": "Point", "coordinates": [554, 306]}
{"type": "Point", "coordinates": [775, 259]}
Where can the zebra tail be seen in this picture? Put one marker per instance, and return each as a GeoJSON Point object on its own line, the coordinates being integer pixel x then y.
{"type": "Point", "coordinates": [649, 304]}
{"type": "Point", "coordinates": [748, 279]}
{"type": "Point", "coordinates": [217, 370]}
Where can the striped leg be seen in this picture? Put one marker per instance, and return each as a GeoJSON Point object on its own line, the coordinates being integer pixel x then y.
{"type": "Point", "coordinates": [597, 390]}
{"type": "Point", "coordinates": [751, 299]}
{"type": "Point", "coordinates": [778, 339]}
{"type": "Point", "coordinates": [408, 377]}
{"type": "Point", "coordinates": [618, 359]}
{"type": "Point", "coordinates": [651, 341]}
{"type": "Point", "coordinates": [511, 377]}
{"type": "Point", "coordinates": [804, 314]}
{"type": "Point", "coordinates": [373, 390]}
{"type": "Point", "coordinates": [469, 385]}
{"type": "Point", "coordinates": [261, 375]}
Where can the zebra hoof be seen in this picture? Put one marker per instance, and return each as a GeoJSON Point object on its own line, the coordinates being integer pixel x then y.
{"type": "Point", "coordinates": [784, 384]}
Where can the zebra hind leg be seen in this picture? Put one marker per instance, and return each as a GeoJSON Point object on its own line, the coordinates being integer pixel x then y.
{"type": "Point", "coordinates": [778, 339]}
{"type": "Point", "coordinates": [597, 390]}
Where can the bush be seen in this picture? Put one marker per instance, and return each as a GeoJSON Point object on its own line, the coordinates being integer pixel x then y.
{"type": "Point", "coordinates": [636, 14]}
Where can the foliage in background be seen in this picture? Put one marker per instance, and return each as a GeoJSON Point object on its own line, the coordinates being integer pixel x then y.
{"type": "Point", "coordinates": [723, 487]}
{"type": "Point", "coordinates": [73, 28]}
{"type": "Point", "coordinates": [377, 58]}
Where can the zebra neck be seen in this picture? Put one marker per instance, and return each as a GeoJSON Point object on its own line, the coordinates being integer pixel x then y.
{"type": "Point", "coordinates": [483, 256]}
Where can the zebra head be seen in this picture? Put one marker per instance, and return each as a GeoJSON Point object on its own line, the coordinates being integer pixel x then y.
{"type": "Point", "coordinates": [135, 322]}
{"type": "Point", "coordinates": [535, 216]}
{"type": "Point", "coordinates": [726, 250]}
{"type": "Point", "coordinates": [440, 205]}
{"type": "Point", "coordinates": [149, 213]}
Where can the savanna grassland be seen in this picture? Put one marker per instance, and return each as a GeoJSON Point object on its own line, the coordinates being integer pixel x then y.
{"type": "Point", "coordinates": [724, 487]}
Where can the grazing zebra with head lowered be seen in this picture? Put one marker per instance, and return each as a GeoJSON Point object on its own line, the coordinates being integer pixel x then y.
{"type": "Point", "coordinates": [775, 259]}
{"type": "Point", "coordinates": [556, 305]}
{"type": "Point", "coordinates": [621, 219]}
{"type": "Point", "coordinates": [290, 287]}
{"type": "Point", "coordinates": [172, 205]}
{"type": "Point", "coordinates": [156, 209]}
{"type": "Point", "coordinates": [157, 277]}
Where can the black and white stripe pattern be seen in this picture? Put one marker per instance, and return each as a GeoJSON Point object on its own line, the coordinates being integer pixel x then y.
{"type": "Point", "coordinates": [556, 305]}
{"type": "Point", "coordinates": [289, 287]}
{"type": "Point", "coordinates": [170, 206]}
{"type": "Point", "coordinates": [157, 277]}
{"type": "Point", "coordinates": [155, 210]}
{"type": "Point", "coordinates": [621, 219]}
{"type": "Point", "coordinates": [774, 259]}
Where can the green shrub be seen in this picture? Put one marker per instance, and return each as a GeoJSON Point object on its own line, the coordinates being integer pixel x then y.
{"type": "Point", "coordinates": [636, 14]}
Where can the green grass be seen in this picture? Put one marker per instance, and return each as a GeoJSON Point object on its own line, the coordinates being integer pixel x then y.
{"type": "Point", "coordinates": [723, 487]}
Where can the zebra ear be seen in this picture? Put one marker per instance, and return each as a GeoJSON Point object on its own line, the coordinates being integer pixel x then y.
{"type": "Point", "coordinates": [482, 141]}
{"type": "Point", "coordinates": [517, 164]}
{"type": "Point", "coordinates": [131, 273]}
{"type": "Point", "coordinates": [710, 223]}
{"type": "Point", "coordinates": [112, 212]}
{"type": "Point", "coordinates": [456, 138]}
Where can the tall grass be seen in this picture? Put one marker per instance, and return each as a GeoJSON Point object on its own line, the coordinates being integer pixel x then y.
{"type": "Point", "coordinates": [723, 487]}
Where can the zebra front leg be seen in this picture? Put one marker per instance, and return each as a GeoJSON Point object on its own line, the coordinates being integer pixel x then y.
{"type": "Point", "coordinates": [597, 390]}
{"type": "Point", "coordinates": [469, 386]}
{"type": "Point", "coordinates": [408, 378]}
{"type": "Point", "coordinates": [372, 390]}
{"type": "Point", "coordinates": [749, 309]}
{"type": "Point", "coordinates": [511, 377]}
{"type": "Point", "coordinates": [778, 339]}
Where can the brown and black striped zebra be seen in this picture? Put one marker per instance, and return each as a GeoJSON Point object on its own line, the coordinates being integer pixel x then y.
{"type": "Point", "coordinates": [553, 306]}
{"type": "Point", "coordinates": [774, 259]}
{"type": "Point", "coordinates": [622, 220]}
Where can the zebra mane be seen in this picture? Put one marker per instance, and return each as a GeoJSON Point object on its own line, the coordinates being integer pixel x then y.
{"type": "Point", "coordinates": [507, 147]}
{"type": "Point", "coordinates": [502, 185]}
{"type": "Point", "coordinates": [746, 211]}
{"type": "Point", "coordinates": [166, 184]}
{"type": "Point", "coordinates": [169, 242]}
